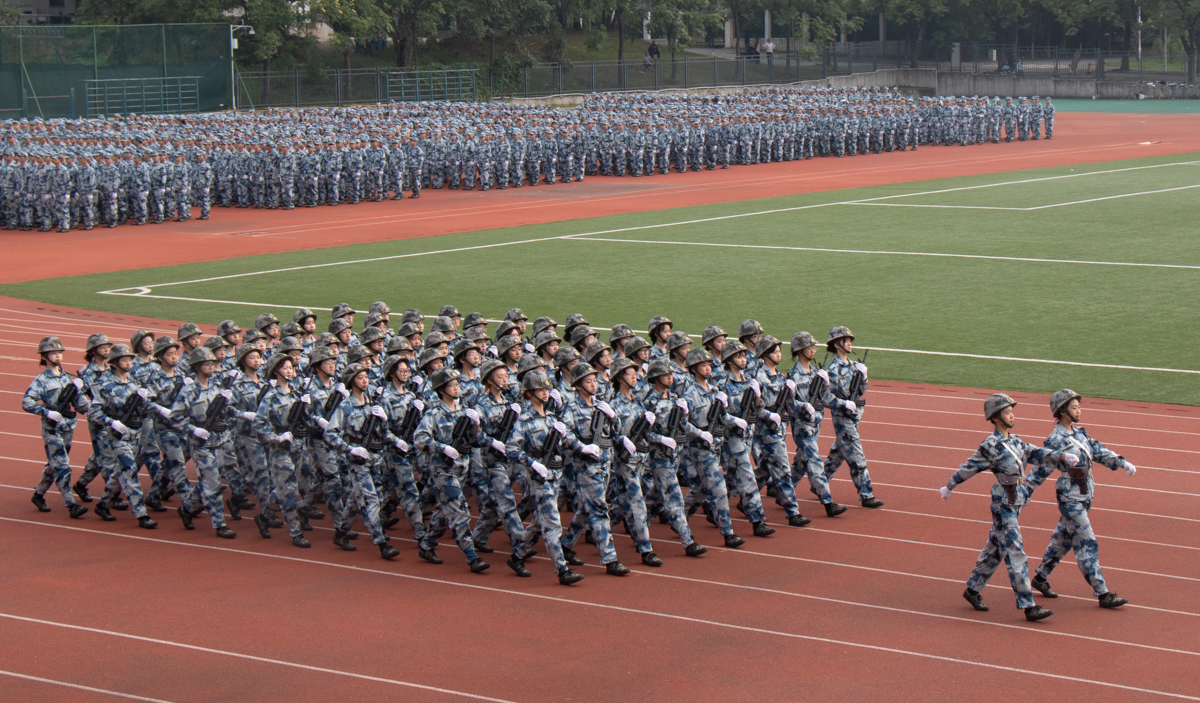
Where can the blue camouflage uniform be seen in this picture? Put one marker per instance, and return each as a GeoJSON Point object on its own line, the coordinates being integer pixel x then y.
{"type": "Point", "coordinates": [524, 448]}
{"type": "Point", "coordinates": [284, 458]}
{"type": "Point", "coordinates": [433, 435]}
{"type": "Point", "coordinates": [40, 398]}
{"type": "Point", "coordinates": [591, 476]}
{"type": "Point", "coordinates": [847, 446]}
{"type": "Point", "coordinates": [213, 457]}
{"type": "Point", "coordinates": [344, 433]}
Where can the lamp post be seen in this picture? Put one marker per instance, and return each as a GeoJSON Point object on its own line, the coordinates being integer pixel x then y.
{"type": "Point", "coordinates": [233, 45]}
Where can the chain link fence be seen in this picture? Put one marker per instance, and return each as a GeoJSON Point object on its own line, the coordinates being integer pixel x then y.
{"type": "Point", "coordinates": [336, 87]}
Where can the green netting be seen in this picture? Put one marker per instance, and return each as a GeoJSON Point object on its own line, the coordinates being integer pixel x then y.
{"type": "Point", "coordinates": [41, 66]}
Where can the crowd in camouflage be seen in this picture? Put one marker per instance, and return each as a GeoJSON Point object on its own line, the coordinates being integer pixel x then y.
{"type": "Point", "coordinates": [141, 168]}
{"type": "Point", "coordinates": [404, 423]}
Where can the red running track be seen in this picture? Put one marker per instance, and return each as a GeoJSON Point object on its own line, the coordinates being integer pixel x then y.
{"type": "Point", "coordinates": [1079, 138]}
{"type": "Point", "coordinates": [864, 606]}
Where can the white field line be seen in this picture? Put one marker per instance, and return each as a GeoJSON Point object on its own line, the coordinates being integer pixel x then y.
{"type": "Point", "coordinates": [979, 400]}
{"type": "Point", "coordinates": [601, 606]}
{"type": "Point", "coordinates": [1028, 209]}
{"type": "Point", "coordinates": [80, 687]}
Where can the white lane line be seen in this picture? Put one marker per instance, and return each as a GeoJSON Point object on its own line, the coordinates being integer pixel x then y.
{"type": "Point", "coordinates": [80, 687]}
{"type": "Point", "coordinates": [69, 319]}
{"type": "Point", "coordinates": [602, 606]}
{"type": "Point", "coordinates": [1046, 422]}
{"type": "Point", "coordinates": [972, 449]}
{"type": "Point", "coordinates": [27, 326]}
{"type": "Point", "coordinates": [1028, 209]}
{"type": "Point", "coordinates": [978, 401]}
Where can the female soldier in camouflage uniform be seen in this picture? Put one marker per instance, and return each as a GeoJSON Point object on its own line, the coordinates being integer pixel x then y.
{"type": "Point", "coordinates": [284, 448]}
{"type": "Point", "coordinates": [43, 397]}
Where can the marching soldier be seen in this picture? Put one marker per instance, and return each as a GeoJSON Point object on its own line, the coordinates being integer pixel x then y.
{"type": "Point", "coordinates": [812, 387]}
{"type": "Point", "coordinates": [49, 396]}
{"type": "Point", "coordinates": [847, 412]}
{"type": "Point", "coordinates": [203, 412]}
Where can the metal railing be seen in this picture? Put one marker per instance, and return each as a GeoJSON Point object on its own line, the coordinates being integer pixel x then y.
{"type": "Point", "coordinates": [155, 96]}
{"type": "Point", "coordinates": [337, 87]}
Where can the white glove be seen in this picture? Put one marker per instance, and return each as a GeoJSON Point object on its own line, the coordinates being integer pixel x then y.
{"type": "Point", "coordinates": [77, 383]}
{"type": "Point", "coordinates": [200, 433]}
{"type": "Point", "coordinates": [360, 453]}
{"type": "Point", "coordinates": [515, 408]}
{"type": "Point", "coordinates": [556, 395]}
{"type": "Point", "coordinates": [560, 429]}
{"type": "Point", "coordinates": [740, 424]}
{"type": "Point", "coordinates": [143, 393]}
{"type": "Point", "coordinates": [227, 395]}
{"type": "Point", "coordinates": [529, 348]}
{"type": "Point", "coordinates": [667, 442]}
{"type": "Point", "coordinates": [540, 469]}
{"type": "Point", "coordinates": [707, 437]}
{"type": "Point", "coordinates": [851, 406]}
{"type": "Point", "coordinates": [791, 385]}
{"type": "Point", "coordinates": [590, 450]}
{"type": "Point", "coordinates": [378, 412]}
{"type": "Point", "coordinates": [1130, 468]}
{"type": "Point", "coordinates": [322, 423]}
{"type": "Point", "coordinates": [164, 412]}
{"type": "Point", "coordinates": [419, 405]}
{"type": "Point", "coordinates": [945, 493]}
{"type": "Point", "coordinates": [721, 398]}
{"type": "Point", "coordinates": [650, 418]}
{"type": "Point", "coordinates": [305, 399]}
{"type": "Point", "coordinates": [472, 416]}
{"type": "Point", "coordinates": [247, 416]}
{"type": "Point", "coordinates": [774, 418]}
{"type": "Point", "coordinates": [285, 438]}
{"type": "Point", "coordinates": [812, 412]}
{"type": "Point", "coordinates": [1070, 460]}
{"type": "Point", "coordinates": [861, 368]}
{"type": "Point", "coordinates": [629, 445]}
{"type": "Point", "coordinates": [54, 416]}
{"type": "Point", "coordinates": [756, 388]}
{"type": "Point", "coordinates": [493, 351]}
{"type": "Point", "coordinates": [119, 428]}
{"type": "Point", "coordinates": [681, 404]}
{"type": "Point", "coordinates": [498, 445]}
{"type": "Point", "coordinates": [823, 374]}
{"type": "Point", "coordinates": [187, 380]}
{"type": "Point", "coordinates": [341, 388]}
{"type": "Point", "coordinates": [451, 452]}
{"type": "Point", "coordinates": [401, 445]}
{"type": "Point", "coordinates": [606, 409]}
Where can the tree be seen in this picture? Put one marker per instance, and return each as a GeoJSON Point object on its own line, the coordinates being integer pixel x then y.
{"type": "Point", "coordinates": [408, 20]}
{"type": "Point", "coordinates": [351, 21]}
{"type": "Point", "coordinates": [1181, 18]}
{"type": "Point", "coordinates": [679, 22]}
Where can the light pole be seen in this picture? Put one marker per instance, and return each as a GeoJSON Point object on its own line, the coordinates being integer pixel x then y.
{"type": "Point", "coordinates": [233, 45]}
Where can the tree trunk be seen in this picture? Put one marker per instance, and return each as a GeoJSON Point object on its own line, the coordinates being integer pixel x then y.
{"type": "Point", "coordinates": [620, 33]}
{"type": "Point", "coordinates": [266, 84]}
{"type": "Point", "coordinates": [398, 44]}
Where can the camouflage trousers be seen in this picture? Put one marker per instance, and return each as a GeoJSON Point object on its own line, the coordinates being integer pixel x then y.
{"type": "Point", "coordinates": [118, 456]}
{"type": "Point", "coordinates": [546, 521]}
{"type": "Point", "coordinates": [361, 497]}
{"type": "Point", "coordinates": [58, 466]}
{"type": "Point", "coordinates": [282, 465]}
{"type": "Point", "coordinates": [93, 467]}
{"type": "Point", "coordinates": [591, 507]}
{"type": "Point", "coordinates": [706, 482]}
{"type": "Point", "coordinates": [499, 475]}
{"type": "Point", "coordinates": [213, 458]}
{"type": "Point", "coordinates": [326, 466]}
{"type": "Point", "coordinates": [629, 504]}
{"type": "Point", "coordinates": [174, 468]}
{"type": "Point", "coordinates": [451, 511]}
{"type": "Point", "coordinates": [254, 476]}
{"type": "Point", "coordinates": [307, 483]}
{"type": "Point", "coordinates": [1004, 542]}
{"type": "Point", "coordinates": [662, 470]}
{"type": "Point", "coordinates": [148, 455]}
{"type": "Point", "coordinates": [739, 479]}
{"type": "Point", "coordinates": [401, 485]}
{"type": "Point", "coordinates": [771, 454]}
{"type": "Point", "coordinates": [1074, 532]}
{"type": "Point", "coordinates": [848, 447]}
{"type": "Point", "coordinates": [808, 463]}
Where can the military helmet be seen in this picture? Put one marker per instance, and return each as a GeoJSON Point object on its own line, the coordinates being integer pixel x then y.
{"type": "Point", "coordinates": [543, 323]}
{"type": "Point", "coordinates": [487, 367]}
{"type": "Point", "coordinates": [449, 311]}
{"type": "Point", "coordinates": [164, 343]}
{"type": "Point", "coordinates": [676, 340]}
{"type": "Point", "coordinates": [407, 330]}
{"type": "Point", "coordinates": [579, 333]}
{"type": "Point", "coordinates": [461, 347]}
{"type": "Point", "coordinates": [658, 367]}
{"type": "Point", "coordinates": [290, 329]}
{"type": "Point", "coordinates": [505, 329]}
{"type": "Point", "coordinates": [435, 338]}
{"type": "Point", "coordinates": [1061, 399]}
{"type": "Point", "coordinates": [244, 351]}
{"type": "Point", "coordinates": [427, 355]}
{"type": "Point", "coordinates": [544, 338]}
{"type": "Point", "coordinates": [214, 343]}
{"type": "Point", "coordinates": [535, 380]}
{"type": "Point", "coordinates": [574, 320]}
{"type": "Point", "coordinates": [995, 403]}
{"type": "Point", "coordinates": [749, 328]}
{"type": "Point", "coordinates": [443, 376]}
{"type": "Point", "coordinates": [697, 356]}
{"type": "Point", "coordinates": [656, 322]}
{"type": "Point", "coordinates": [731, 347]}
{"type": "Point", "coordinates": [802, 341]}
{"type": "Point", "coordinates": [253, 335]}
{"type": "Point", "coordinates": [275, 362]}
{"type": "Point", "coordinates": [325, 339]}
{"type": "Point", "coordinates": [342, 310]}
{"type": "Point", "coordinates": [338, 324]}
{"type": "Point", "coordinates": [389, 365]}
{"type": "Point", "coordinates": [320, 354]}
{"type": "Point", "coordinates": [398, 344]}
{"type": "Point", "coordinates": [197, 356]}
{"type": "Point", "coordinates": [50, 344]}
{"type": "Point", "coordinates": [227, 327]}
{"type": "Point", "coordinates": [412, 315]}
{"type": "Point", "coordinates": [357, 353]}
{"type": "Point", "coordinates": [506, 343]}
{"type": "Point", "coordinates": [288, 344]}
{"type": "Point", "coordinates": [619, 332]}
{"type": "Point", "coordinates": [188, 329]}
{"type": "Point", "coordinates": [348, 373]}
{"type": "Point", "coordinates": [565, 355]}
{"type": "Point", "coordinates": [477, 334]}
{"type": "Point", "coordinates": [300, 315]}
{"type": "Point", "coordinates": [371, 334]}
{"type": "Point", "coordinates": [135, 340]}
{"type": "Point", "coordinates": [766, 345]}
{"type": "Point", "coordinates": [619, 367]}
{"type": "Point", "coordinates": [474, 319]}
{"type": "Point", "coordinates": [96, 340]}
{"type": "Point", "coordinates": [635, 345]}
{"type": "Point", "coordinates": [528, 363]}
{"type": "Point", "coordinates": [373, 319]}
{"type": "Point", "coordinates": [711, 334]}
{"type": "Point", "coordinates": [515, 315]}
{"type": "Point", "coordinates": [593, 352]}
{"type": "Point", "coordinates": [443, 324]}
{"type": "Point", "coordinates": [839, 332]}
{"type": "Point", "coordinates": [581, 371]}
{"type": "Point", "coordinates": [265, 320]}
{"type": "Point", "coordinates": [379, 308]}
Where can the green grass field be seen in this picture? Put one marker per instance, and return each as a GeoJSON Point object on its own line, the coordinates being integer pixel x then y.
{"type": "Point", "coordinates": [1096, 264]}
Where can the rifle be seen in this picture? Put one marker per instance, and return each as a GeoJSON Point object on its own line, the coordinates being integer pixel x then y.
{"type": "Point", "coordinates": [262, 393]}
{"type": "Point", "coordinates": [637, 435]}
{"type": "Point", "coordinates": [715, 427]}
{"type": "Point", "coordinates": [858, 382]}
{"type": "Point", "coordinates": [133, 411]}
{"type": "Point", "coordinates": [460, 435]}
{"type": "Point", "coordinates": [782, 399]}
{"type": "Point", "coordinates": [505, 428]}
{"type": "Point", "coordinates": [549, 451]}
{"type": "Point", "coordinates": [370, 439]}
{"type": "Point", "coordinates": [408, 426]}
{"type": "Point", "coordinates": [599, 429]}
{"type": "Point", "coordinates": [671, 426]}
{"type": "Point", "coordinates": [214, 417]}
{"type": "Point", "coordinates": [296, 422]}
{"type": "Point", "coordinates": [176, 387]}
{"type": "Point", "coordinates": [747, 411]}
{"type": "Point", "coordinates": [64, 401]}
{"type": "Point", "coordinates": [816, 392]}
